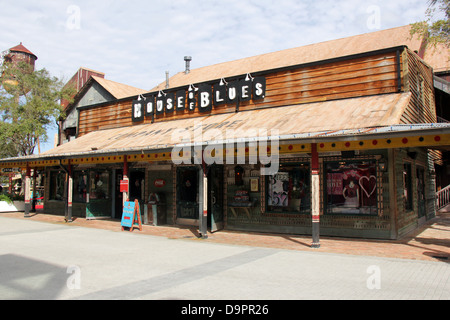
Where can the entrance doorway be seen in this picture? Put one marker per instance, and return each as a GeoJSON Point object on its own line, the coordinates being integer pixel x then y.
{"type": "Point", "coordinates": [215, 198]}
{"type": "Point", "coordinates": [118, 201]}
{"type": "Point", "coordinates": [420, 178]}
{"type": "Point", "coordinates": [187, 195]}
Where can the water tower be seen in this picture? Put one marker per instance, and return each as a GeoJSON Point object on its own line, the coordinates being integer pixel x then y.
{"type": "Point", "coordinates": [13, 57]}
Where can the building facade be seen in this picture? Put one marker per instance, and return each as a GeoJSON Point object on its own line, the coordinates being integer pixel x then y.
{"type": "Point", "coordinates": [339, 139]}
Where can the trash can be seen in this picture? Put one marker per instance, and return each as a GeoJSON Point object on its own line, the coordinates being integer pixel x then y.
{"type": "Point", "coordinates": [157, 214]}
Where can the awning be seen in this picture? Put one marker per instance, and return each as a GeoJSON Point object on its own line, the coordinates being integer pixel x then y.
{"type": "Point", "coordinates": [329, 121]}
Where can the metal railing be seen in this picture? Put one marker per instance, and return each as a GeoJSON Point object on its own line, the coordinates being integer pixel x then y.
{"type": "Point", "coordinates": [443, 197]}
{"type": "Point", "coordinates": [442, 120]}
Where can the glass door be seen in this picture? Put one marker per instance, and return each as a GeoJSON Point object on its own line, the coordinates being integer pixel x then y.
{"type": "Point", "coordinates": [215, 198]}
{"type": "Point", "coordinates": [187, 193]}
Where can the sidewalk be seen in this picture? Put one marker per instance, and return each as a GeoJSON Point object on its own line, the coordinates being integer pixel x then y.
{"type": "Point", "coordinates": [430, 242]}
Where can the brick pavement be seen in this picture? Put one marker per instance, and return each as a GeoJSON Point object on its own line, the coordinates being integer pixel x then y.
{"type": "Point", "coordinates": [430, 242]}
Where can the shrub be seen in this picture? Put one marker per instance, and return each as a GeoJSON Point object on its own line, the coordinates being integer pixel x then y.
{"type": "Point", "coordinates": [6, 198]}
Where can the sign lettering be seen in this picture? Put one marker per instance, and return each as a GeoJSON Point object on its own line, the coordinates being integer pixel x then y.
{"type": "Point", "coordinates": [138, 114]}
{"type": "Point", "coordinates": [204, 97]}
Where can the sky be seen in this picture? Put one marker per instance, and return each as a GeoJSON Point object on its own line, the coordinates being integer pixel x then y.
{"type": "Point", "coordinates": [135, 42]}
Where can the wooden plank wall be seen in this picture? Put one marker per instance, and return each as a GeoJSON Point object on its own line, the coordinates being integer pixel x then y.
{"type": "Point", "coordinates": [419, 76]}
{"type": "Point", "coordinates": [358, 77]}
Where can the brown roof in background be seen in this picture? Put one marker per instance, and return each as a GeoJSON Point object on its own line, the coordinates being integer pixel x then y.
{"type": "Point", "coordinates": [119, 90]}
{"type": "Point", "coordinates": [438, 58]}
{"type": "Point", "coordinates": [21, 48]}
{"type": "Point", "coordinates": [116, 89]}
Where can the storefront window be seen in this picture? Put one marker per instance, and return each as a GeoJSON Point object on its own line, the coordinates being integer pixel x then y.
{"type": "Point", "coordinates": [187, 193]}
{"type": "Point", "coordinates": [420, 185]}
{"type": "Point", "coordinates": [351, 187]}
{"type": "Point", "coordinates": [57, 179]}
{"type": "Point", "coordinates": [407, 187]}
{"type": "Point", "coordinates": [99, 185]}
{"type": "Point", "coordinates": [80, 182]}
{"type": "Point", "coordinates": [289, 189]}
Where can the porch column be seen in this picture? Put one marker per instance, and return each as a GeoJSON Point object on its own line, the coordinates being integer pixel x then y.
{"type": "Point", "coordinates": [10, 189]}
{"type": "Point", "coordinates": [315, 197]}
{"type": "Point", "coordinates": [27, 192]}
{"type": "Point", "coordinates": [203, 202]}
{"type": "Point", "coordinates": [33, 200]}
{"type": "Point", "coordinates": [125, 177]}
{"type": "Point", "coordinates": [69, 193]}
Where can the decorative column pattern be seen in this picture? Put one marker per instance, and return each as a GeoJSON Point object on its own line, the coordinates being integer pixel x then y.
{"type": "Point", "coordinates": [315, 197]}
{"type": "Point", "coordinates": [27, 192]}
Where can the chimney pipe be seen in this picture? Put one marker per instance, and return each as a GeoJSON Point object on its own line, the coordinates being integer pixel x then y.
{"type": "Point", "coordinates": [188, 60]}
{"type": "Point", "coordinates": [167, 79]}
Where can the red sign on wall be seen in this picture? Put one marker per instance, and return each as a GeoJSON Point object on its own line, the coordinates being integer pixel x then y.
{"type": "Point", "coordinates": [159, 183]}
{"type": "Point", "coordinates": [124, 186]}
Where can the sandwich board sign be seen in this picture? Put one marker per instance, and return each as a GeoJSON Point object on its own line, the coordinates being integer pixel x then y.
{"type": "Point", "coordinates": [131, 217]}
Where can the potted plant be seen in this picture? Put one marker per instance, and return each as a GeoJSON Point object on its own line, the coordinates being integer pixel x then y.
{"type": "Point", "coordinates": [11, 203]}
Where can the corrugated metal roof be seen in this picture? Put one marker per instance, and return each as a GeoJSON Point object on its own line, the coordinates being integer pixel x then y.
{"type": "Point", "coordinates": [437, 57]}
{"type": "Point", "coordinates": [358, 118]}
{"type": "Point", "coordinates": [21, 48]}
{"type": "Point", "coordinates": [119, 90]}
{"type": "Point", "coordinates": [299, 121]}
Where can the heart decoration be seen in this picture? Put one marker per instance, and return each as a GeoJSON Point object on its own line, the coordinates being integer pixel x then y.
{"type": "Point", "coordinates": [368, 185]}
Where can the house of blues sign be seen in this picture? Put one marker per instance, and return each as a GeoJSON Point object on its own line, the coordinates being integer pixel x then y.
{"type": "Point", "coordinates": [202, 97]}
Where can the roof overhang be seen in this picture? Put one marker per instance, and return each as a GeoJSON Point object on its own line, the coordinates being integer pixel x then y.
{"type": "Point", "coordinates": [429, 136]}
{"type": "Point", "coordinates": [364, 123]}
{"type": "Point", "coordinates": [442, 84]}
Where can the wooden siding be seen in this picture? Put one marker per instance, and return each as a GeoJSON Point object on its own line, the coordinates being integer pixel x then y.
{"type": "Point", "coordinates": [419, 76]}
{"type": "Point", "coordinates": [359, 77]}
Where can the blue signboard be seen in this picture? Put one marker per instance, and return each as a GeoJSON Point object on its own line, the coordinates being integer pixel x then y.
{"type": "Point", "coordinates": [128, 214]}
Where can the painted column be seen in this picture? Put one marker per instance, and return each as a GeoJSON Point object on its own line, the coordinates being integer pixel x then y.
{"type": "Point", "coordinates": [11, 175]}
{"type": "Point", "coordinates": [69, 193]}
{"type": "Point", "coordinates": [33, 200]}
{"type": "Point", "coordinates": [203, 203]}
{"type": "Point", "coordinates": [27, 192]}
{"type": "Point", "coordinates": [315, 197]}
{"type": "Point", "coordinates": [126, 195]}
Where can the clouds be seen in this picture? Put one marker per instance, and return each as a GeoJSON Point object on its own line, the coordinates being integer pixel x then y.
{"type": "Point", "coordinates": [135, 42]}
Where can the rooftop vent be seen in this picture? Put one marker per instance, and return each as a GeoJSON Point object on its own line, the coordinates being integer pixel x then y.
{"type": "Point", "coordinates": [188, 60]}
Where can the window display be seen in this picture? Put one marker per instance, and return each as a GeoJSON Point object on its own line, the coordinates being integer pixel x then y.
{"type": "Point", "coordinates": [187, 193]}
{"type": "Point", "coordinates": [289, 189]}
{"type": "Point", "coordinates": [80, 179]}
{"type": "Point", "coordinates": [407, 187]}
{"type": "Point", "coordinates": [351, 187]}
{"type": "Point", "coordinates": [57, 179]}
{"type": "Point", "coordinates": [99, 188]}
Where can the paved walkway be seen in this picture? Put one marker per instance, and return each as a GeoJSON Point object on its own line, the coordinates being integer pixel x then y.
{"type": "Point", "coordinates": [430, 242]}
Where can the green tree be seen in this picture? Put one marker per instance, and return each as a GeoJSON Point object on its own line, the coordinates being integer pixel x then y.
{"type": "Point", "coordinates": [29, 105]}
{"type": "Point", "coordinates": [435, 29]}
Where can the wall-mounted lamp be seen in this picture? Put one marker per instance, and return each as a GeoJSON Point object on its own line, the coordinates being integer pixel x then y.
{"type": "Point", "coordinates": [223, 82]}
{"type": "Point", "coordinates": [238, 175]}
{"type": "Point", "coordinates": [382, 166]}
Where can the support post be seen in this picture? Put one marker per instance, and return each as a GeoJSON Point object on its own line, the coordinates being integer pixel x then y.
{"type": "Point", "coordinates": [315, 200]}
{"type": "Point", "coordinates": [393, 209]}
{"type": "Point", "coordinates": [27, 191]}
{"type": "Point", "coordinates": [203, 203]}
{"type": "Point", "coordinates": [69, 193]}
{"type": "Point", "coordinates": [33, 199]}
{"type": "Point", "coordinates": [126, 195]}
